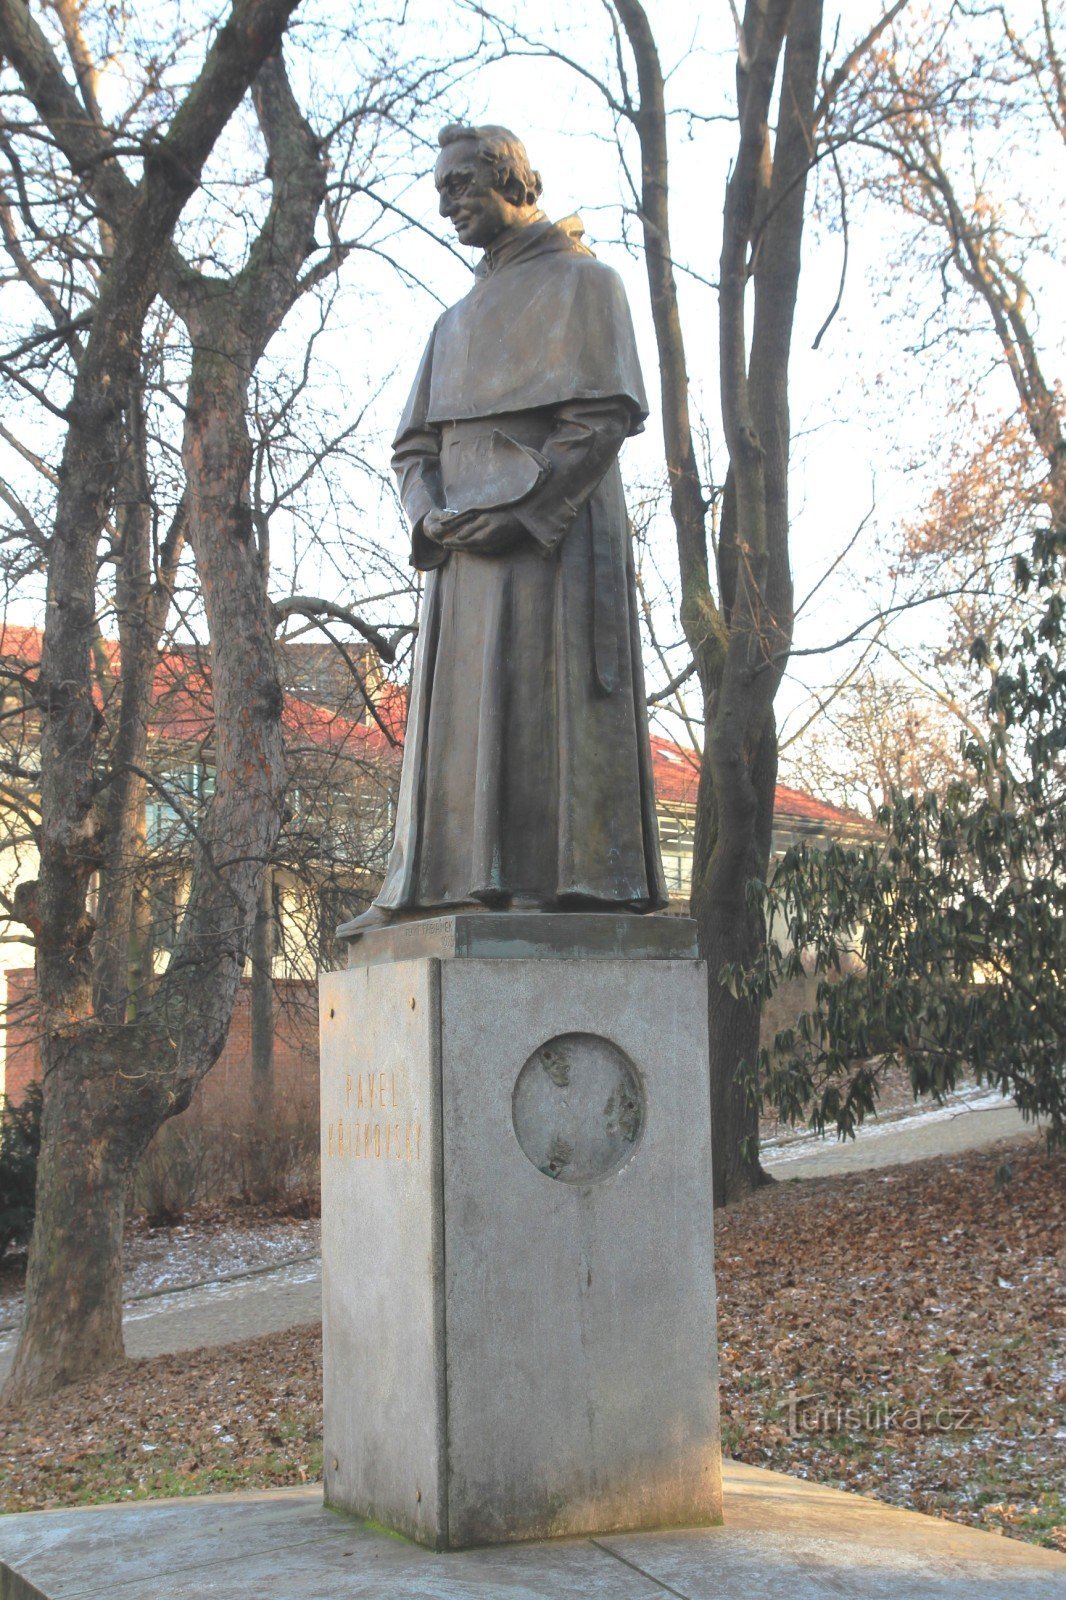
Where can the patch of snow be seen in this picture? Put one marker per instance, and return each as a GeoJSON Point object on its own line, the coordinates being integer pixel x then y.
{"type": "Point", "coordinates": [178, 1257]}
{"type": "Point", "coordinates": [961, 1102]}
{"type": "Point", "coordinates": [285, 1275]}
{"type": "Point", "coordinates": [174, 1260]}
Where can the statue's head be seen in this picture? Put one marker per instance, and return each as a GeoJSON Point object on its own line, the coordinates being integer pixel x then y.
{"type": "Point", "coordinates": [485, 182]}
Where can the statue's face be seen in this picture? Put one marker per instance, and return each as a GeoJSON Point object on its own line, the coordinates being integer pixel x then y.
{"type": "Point", "coordinates": [477, 210]}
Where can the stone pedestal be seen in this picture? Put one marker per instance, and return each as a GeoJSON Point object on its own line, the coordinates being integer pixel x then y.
{"type": "Point", "coordinates": [518, 1287]}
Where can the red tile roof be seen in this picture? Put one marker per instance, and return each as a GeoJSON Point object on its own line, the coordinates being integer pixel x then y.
{"type": "Point", "coordinates": [676, 772]}
{"type": "Point", "coordinates": [794, 803]}
{"type": "Point", "coordinates": [181, 700]}
{"type": "Point", "coordinates": [182, 712]}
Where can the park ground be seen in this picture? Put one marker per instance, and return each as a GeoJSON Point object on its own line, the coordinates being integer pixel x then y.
{"type": "Point", "coordinates": [891, 1331]}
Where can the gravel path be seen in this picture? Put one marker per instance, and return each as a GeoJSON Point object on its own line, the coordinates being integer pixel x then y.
{"type": "Point", "coordinates": [269, 1299]}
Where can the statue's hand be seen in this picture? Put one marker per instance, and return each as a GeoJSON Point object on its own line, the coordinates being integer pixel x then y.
{"type": "Point", "coordinates": [487, 533]}
{"type": "Point", "coordinates": [432, 525]}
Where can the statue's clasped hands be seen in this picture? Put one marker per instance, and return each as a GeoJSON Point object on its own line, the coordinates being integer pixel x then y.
{"type": "Point", "coordinates": [487, 533]}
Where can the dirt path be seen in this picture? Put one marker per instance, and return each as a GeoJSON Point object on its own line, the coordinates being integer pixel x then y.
{"type": "Point", "coordinates": [287, 1296]}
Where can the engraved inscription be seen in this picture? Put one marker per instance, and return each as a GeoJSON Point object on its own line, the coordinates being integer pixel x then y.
{"type": "Point", "coordinates": [370, 1091]}
{"type": "Point", "coordinates": [578, 1108]}
{"type": "Point", "coordinates": [422, 931]}
{"type": "Point", "coordinates": [375, 1122]}
{"type": "Point", "coordinates": [353, 1139]}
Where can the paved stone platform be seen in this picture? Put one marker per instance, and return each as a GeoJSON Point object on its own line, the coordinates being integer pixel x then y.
{"type": "Point", "coordinates": [782, 1537]}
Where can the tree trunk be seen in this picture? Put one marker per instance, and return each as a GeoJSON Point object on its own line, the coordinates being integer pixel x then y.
{"type": "Point", "coordinates": [764, 216]}
{"type": "Point", "coordinates": [739, 643]}
{"type": "Point", "coordinates": [142, 600]}
{"type": "Point", "coordinates": [103, 1083]}
{"type": "Point", "coordinates": [263, 1177]}
{"type": "Point", "coordinates": [73, 1321]}
{"type": "Point", "coordinates": [110, 1086]}
{"type": "Point", "coordinates": [731, 936]}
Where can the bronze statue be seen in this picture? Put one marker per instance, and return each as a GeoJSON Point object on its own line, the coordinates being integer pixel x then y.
{"type": "Point", "coordinates": [526, 779]}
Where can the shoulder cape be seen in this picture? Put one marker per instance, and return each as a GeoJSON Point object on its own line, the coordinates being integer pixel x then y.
{"type": "Point", "coordinates": [548, 325]}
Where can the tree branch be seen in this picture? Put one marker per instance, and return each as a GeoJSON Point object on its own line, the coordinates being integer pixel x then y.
{"type": "Point", "coordinates": [313, 607]}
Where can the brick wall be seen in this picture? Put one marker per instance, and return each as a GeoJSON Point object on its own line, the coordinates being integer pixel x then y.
{"type": "Point", "coordinates": [22, 1064]}
{"type": "Point", "coordinates": [224, 1098]}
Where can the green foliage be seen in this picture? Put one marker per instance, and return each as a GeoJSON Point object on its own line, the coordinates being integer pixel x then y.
{"type": "Point", "coordinates": [20, 1140]}
{"type": "Point", "coordinates": [941, 944]}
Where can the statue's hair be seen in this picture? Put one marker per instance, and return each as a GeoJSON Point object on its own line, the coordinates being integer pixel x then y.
{"type": "Point", "coordinates": [504, 152]}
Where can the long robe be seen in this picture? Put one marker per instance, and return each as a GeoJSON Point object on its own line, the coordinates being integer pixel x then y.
{"type": "Point", "coordinates": [527, 770]}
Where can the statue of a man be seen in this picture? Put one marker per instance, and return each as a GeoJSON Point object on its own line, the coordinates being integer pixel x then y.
{"type": "Point", "coordinates": [526, 780]}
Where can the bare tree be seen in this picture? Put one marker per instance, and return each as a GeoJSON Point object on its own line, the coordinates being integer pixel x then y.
{"type": "Point", "coordinates": [926, 129]}
{"type": "Point", "coordinates": [956, 910]}
{"type": "Point", "coordinates": [930, 123]}
{"type": "Point", "coordinates": [736, 599]}
{"type": "Point", "coordinates": [93, 1128]}
{"type": "Point", "coordinates": [118, 1063]}
{"type": "Point", "coordinates": [879, 733]}
{"type": "Point", "coordinates": [732, 544]}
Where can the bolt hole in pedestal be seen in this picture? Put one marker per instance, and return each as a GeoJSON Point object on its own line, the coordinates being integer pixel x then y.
{"type": "Point", "coordinates": [578, 1108]}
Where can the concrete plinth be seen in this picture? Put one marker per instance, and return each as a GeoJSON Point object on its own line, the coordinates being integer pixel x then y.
{"type": "Point", "coordinates": [518, 1289]}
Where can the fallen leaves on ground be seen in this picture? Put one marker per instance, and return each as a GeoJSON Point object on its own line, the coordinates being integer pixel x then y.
{"type": "Point", "coordinates": [916, 1306]}
{"type": "Point", "coordinates": [898, 1332]}
{"type": "Point", "coordinates": [231, 1417]}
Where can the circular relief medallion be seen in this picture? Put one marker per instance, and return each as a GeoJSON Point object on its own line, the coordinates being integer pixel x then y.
{"type": "Point", "coordinates": [578, 1108]}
